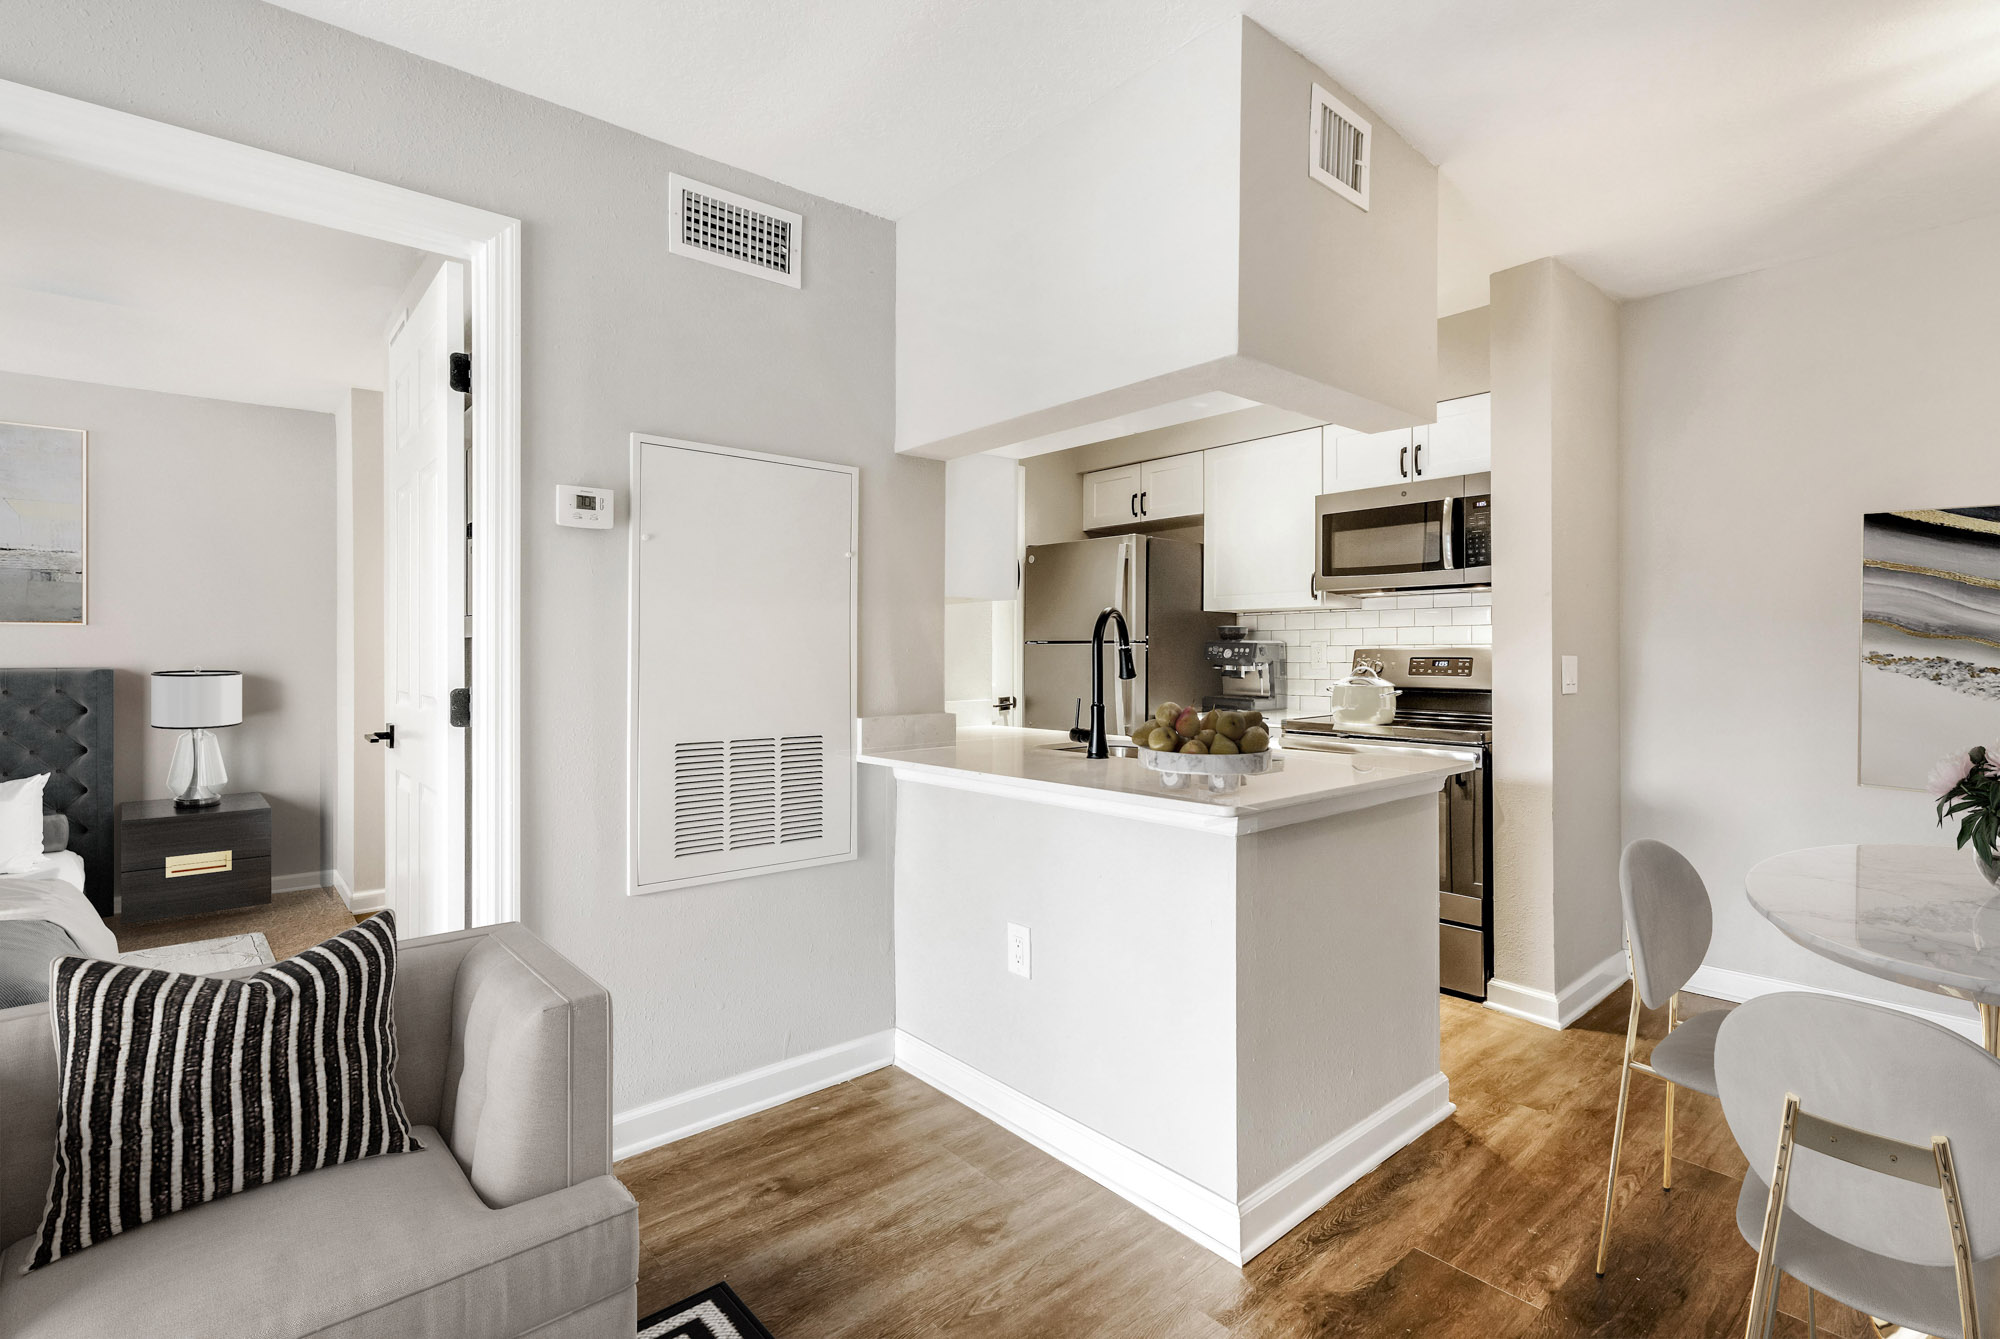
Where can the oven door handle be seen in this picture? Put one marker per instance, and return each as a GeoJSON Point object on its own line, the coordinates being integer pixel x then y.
{"type": "Point", "coordinates": [1446, 536]}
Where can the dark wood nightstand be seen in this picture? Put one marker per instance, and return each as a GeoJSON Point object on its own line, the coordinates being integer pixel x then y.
{"type": "Point", "coordinates": [182, 862]}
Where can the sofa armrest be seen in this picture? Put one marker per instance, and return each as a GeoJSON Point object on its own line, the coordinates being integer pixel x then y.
{"type": "Point", "coordinates": [526, 1095]}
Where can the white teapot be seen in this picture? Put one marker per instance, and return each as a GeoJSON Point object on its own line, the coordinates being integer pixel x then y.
{"type": "Point", "coordinates": [1364, 698]}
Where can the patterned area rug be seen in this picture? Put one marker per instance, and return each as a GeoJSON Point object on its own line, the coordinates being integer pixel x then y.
{"type": "Point", "coordinates": [201, 956]}
{"type": "Point", "coordinates": [712, 1313]}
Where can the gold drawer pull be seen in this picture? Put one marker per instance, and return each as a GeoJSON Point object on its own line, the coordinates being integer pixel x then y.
{"type": "Point", "coordinates": [202, 862]}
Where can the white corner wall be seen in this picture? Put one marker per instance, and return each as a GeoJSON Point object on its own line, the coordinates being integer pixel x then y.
{"type": "Point", "coordinates": [1762, 416]}
{"type": "Point", "coordinates": [355, 815]}
{"type": "Point", "coordinates": [1554, 368]}
{"type": "Point", "coordinates": [618, 336]}
{"type": "Point", "coordinates": [211, 543]}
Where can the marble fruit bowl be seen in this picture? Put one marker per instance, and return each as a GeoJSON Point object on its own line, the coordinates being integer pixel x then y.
{"type": "Point", "coordinates": [1224, 771]}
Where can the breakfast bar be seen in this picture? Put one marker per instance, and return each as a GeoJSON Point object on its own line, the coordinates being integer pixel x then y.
{"type": "Point", "coordinates": [1223, 1006]}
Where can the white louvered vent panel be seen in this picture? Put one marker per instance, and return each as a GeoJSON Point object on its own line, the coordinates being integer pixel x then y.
{"type": "Point", "coordinates": [802, 789]}
{"type": "Point", "coordinates": [701, 786]}
{"type": "Point", "coordinates": [733, 231]}
{"type": "Point", "coordinates": [741, 762]}
{"type": "Point", "coordinates": [753, 792]}
{"type": "Point", "coordinates": [1341, 143]}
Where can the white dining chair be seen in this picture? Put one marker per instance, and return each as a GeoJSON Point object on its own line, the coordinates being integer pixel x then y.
{"type": "Point", "coordinates": [1877, 1131]}
{"type": "Point", "coordinates": [1667, 927]}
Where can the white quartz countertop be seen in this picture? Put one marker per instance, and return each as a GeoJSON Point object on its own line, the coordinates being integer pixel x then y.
{"type": "Point", "coordinates": [1024, 765]}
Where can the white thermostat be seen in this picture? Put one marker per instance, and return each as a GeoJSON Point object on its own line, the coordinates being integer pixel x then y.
{"type": "Point", "coordinates": [587, 508]}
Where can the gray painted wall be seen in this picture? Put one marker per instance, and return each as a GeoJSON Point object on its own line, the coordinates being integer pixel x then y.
{"type": "Point", "coordinates": [210, 543]}
{"type": "Point", "coordinates": [1763, 415]}
{"type": "Point", "coordinates": [619, 336]}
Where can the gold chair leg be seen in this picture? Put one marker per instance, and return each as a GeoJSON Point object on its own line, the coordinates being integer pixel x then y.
{"type": "Point", "coordinates": [1667, 1159]}
{"type": "Point", "coordinates": [1812, 1321]}
{"type": "Point", "coordinates": [1618, 1127]}
{"type": "Point", "coordinates": [1989, 1027]}
{"type": "Point", "coordinates": [1764, 1287]}
{"type": "Point", "coordinates": [1961, 1248]}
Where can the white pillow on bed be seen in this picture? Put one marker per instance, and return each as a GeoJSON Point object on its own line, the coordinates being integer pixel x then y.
{"type": "Point", "coordinates": [21, 823]}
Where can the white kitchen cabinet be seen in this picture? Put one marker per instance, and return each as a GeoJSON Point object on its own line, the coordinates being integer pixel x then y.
{"type": "Point", "coordinates": [1170, 488]}
{"type": "Point", "coordinates": [1111, 497]}
{"type": "Point", "coordinates": [1461, 441]}
{"type": "Point", "coordinates": [982, 528]}
{"type": "Point", "coordinates": [1258, 550]}
{"type": "Point", "coordinates": [1353, 460]}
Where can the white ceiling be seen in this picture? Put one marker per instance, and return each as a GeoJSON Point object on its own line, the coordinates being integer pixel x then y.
{"type": "Point", "coordinates": [1651, 145]}
{"type": "Point", "coordinates": [110, 281]}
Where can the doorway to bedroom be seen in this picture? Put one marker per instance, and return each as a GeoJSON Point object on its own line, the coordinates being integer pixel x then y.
{"type": "Point", "coordinates": [273, 479]}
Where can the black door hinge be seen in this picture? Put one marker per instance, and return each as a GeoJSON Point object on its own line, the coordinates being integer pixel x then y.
{"type": "Point", "coordinates": [461, 373]}
{"type": "Point", "coordinates": [461, 707]}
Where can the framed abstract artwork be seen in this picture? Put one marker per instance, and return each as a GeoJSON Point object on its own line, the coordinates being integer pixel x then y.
{"type": "Point", "coordinates": [1930, 639]}
{"type": "Point", "coordinates": [42, 519]}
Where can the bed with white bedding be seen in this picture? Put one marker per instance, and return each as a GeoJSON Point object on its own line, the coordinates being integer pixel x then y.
{"type": "Point", "coordinates": [57, 722]}
{"type": "Point", "coordinates": [44, 915]}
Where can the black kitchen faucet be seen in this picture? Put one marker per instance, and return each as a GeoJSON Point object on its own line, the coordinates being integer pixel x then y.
{"type": "Point", "coordinates": [1094, 735]}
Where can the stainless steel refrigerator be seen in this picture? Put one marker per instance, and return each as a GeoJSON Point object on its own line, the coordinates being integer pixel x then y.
{"type": "Point", "coordinates": [1156, 584]}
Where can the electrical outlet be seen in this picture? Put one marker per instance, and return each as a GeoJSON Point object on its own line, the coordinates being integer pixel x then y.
{"type": "Point", "coordinates": [1569, 674]}
{"type": "Point", "coordinates": [1017, 949]}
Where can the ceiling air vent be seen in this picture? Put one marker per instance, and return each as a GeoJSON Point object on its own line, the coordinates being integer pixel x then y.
{"type": "Point", "coordinates": [1341, 143]}
{"type": "Point", "coordinates": [726, 229]}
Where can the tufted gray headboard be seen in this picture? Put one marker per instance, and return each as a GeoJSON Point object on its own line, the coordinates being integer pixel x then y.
{"type": "Point", "coordinates": [59, 721]}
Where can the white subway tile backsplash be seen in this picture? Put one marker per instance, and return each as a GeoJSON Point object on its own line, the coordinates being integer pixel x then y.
{"type": "Point", "coordinates": [1415, 636]}
{"type": "Point", "coordinates": [1452, 599]}
{"type": "Point", "coordinates": [1473, 614]}
{"type": "Point", "coordinates": [1314, 637]}
{"type": "Point", "coordinates": [1482, 597]}
{"type": "Point", "coordinates": [1416, 601]}
{"type": "Point", "coordinates": [1352, 636]}
{"type": "Point", "coordinates": [1331, 618]}
{"type": "Point", "coordinates": [1479, 636]}
{"type": "Point", "coordinates": [1398, 618]}
{"type": "Point", "coordinates": [1364, 618]}
{"type": "Point", "coordinates": [1379, 602]}
{"type": "Point", "coordinates": [1300, 621]}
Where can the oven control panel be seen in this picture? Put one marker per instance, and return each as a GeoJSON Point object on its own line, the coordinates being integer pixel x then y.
{"type": "Point", "coordinates": [1436, 667]}
{"type": "Point", "coordinates": [1478, 532]}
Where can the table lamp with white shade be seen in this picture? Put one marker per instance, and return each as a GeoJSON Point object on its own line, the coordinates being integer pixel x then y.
{"type": "Point", "coordinates": [196, 701]}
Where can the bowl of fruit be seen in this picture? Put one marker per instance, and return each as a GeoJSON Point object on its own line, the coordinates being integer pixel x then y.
{"type": "Point", "coordinates": [1223, 747]}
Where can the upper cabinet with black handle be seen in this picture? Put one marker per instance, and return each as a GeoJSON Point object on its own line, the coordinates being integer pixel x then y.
{"type": "Point", "coordinates": [1138, 496]}
{"type": "Point", "coordinates": [1460, 442]}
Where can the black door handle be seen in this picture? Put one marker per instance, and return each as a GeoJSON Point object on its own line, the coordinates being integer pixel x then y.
{"type": "Point", "coordinates": [1420, 458]}
{"type": "Point", "coordinates": [1142, 504]}
{"type": "Point", "coordinates": [1403, 462]}
{"type": "Point", "coordinates": [1135, 504]}
{"type": "Point", "coordinates": [386, 735]}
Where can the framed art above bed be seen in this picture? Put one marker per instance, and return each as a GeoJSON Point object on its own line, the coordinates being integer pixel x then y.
{"type": "Point", "coordinates": [43, 512]}
{"type": "Point", "coordinates": [59, 721]}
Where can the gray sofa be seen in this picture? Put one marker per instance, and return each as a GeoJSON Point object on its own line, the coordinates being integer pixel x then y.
{"type": "Point", "coordinates": [508, 1223]}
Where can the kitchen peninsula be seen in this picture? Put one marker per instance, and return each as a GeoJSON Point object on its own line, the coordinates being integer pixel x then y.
{"type": "Point", "coordinates": [1222, 1006]}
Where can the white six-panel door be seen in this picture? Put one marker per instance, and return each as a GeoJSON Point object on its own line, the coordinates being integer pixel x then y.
{"type": "Point", "coordinates": [423, 652]}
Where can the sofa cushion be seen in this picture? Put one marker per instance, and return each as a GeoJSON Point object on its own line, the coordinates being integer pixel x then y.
{"type": "Point", "coordinates": [176, 1089]}
{"type": "Point", "coordinates": [383, 1247]}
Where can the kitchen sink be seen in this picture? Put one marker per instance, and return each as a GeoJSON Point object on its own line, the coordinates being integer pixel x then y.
{"type": "Point", "coordinates": [1116, 750]}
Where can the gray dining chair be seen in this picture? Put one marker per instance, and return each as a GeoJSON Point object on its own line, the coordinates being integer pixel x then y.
{"type": "Point", "coordinates": [1877, 1131]}
{"type": "Point", "coordinates": [1667, 927]}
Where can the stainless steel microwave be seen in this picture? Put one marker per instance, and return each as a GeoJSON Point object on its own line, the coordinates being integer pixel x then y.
{"type": "Point", "coordinates": [1423, 535]}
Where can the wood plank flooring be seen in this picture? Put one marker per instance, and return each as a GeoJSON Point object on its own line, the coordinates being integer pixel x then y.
{"type": "Point", "coordinates": [881, 1209]}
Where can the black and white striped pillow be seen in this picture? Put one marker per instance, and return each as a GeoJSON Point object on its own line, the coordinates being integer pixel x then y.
{"type": "Point", "coordinates": [178, 1089]}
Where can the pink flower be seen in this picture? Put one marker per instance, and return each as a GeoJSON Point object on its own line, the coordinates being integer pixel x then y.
{"type": "Point", "coordinates": [1949, 774]}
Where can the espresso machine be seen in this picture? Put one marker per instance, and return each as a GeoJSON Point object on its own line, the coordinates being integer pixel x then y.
{"type": "Point", "coordinates": [1253, 673]}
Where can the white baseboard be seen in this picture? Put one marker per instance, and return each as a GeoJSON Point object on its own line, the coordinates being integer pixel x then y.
{"type": "Point", "coordinates": [1559, 1009]}
{"type": "Point", "coordinates": [725, 1100]}
{"type": "Point", "coordinates": [298, 883]}
{"type": "Point", "coordinates": [1295, 1194]}
{"type": "Point", "coordinates": [1190, 1208]}
{"type": "Point", "coordinates": [1236, 1232]}
{"type": "Point", "coordinates": [368, 899]}
{"type": "Point", "coordinates": [1725, 983]}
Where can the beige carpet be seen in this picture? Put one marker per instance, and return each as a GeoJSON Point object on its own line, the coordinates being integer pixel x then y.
{"type": "Point", "coordinates": [292, 922]}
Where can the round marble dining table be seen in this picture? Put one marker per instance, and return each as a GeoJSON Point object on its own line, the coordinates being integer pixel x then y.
{"type": "Point", "coordinates": [1920, 915]}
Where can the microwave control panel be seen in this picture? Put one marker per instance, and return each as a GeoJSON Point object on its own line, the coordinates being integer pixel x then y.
{"type": "Point", "coordinates": [1479, 531]}
{"type": "Point", "coordinates": [1434, 667]}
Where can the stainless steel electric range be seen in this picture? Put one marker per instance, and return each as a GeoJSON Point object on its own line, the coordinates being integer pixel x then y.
{"type": "Point", "coordinates": [1445, 705]}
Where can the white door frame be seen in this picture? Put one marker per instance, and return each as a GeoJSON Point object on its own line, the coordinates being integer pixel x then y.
{"type": "Point", "coordinates": [47, 125]}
